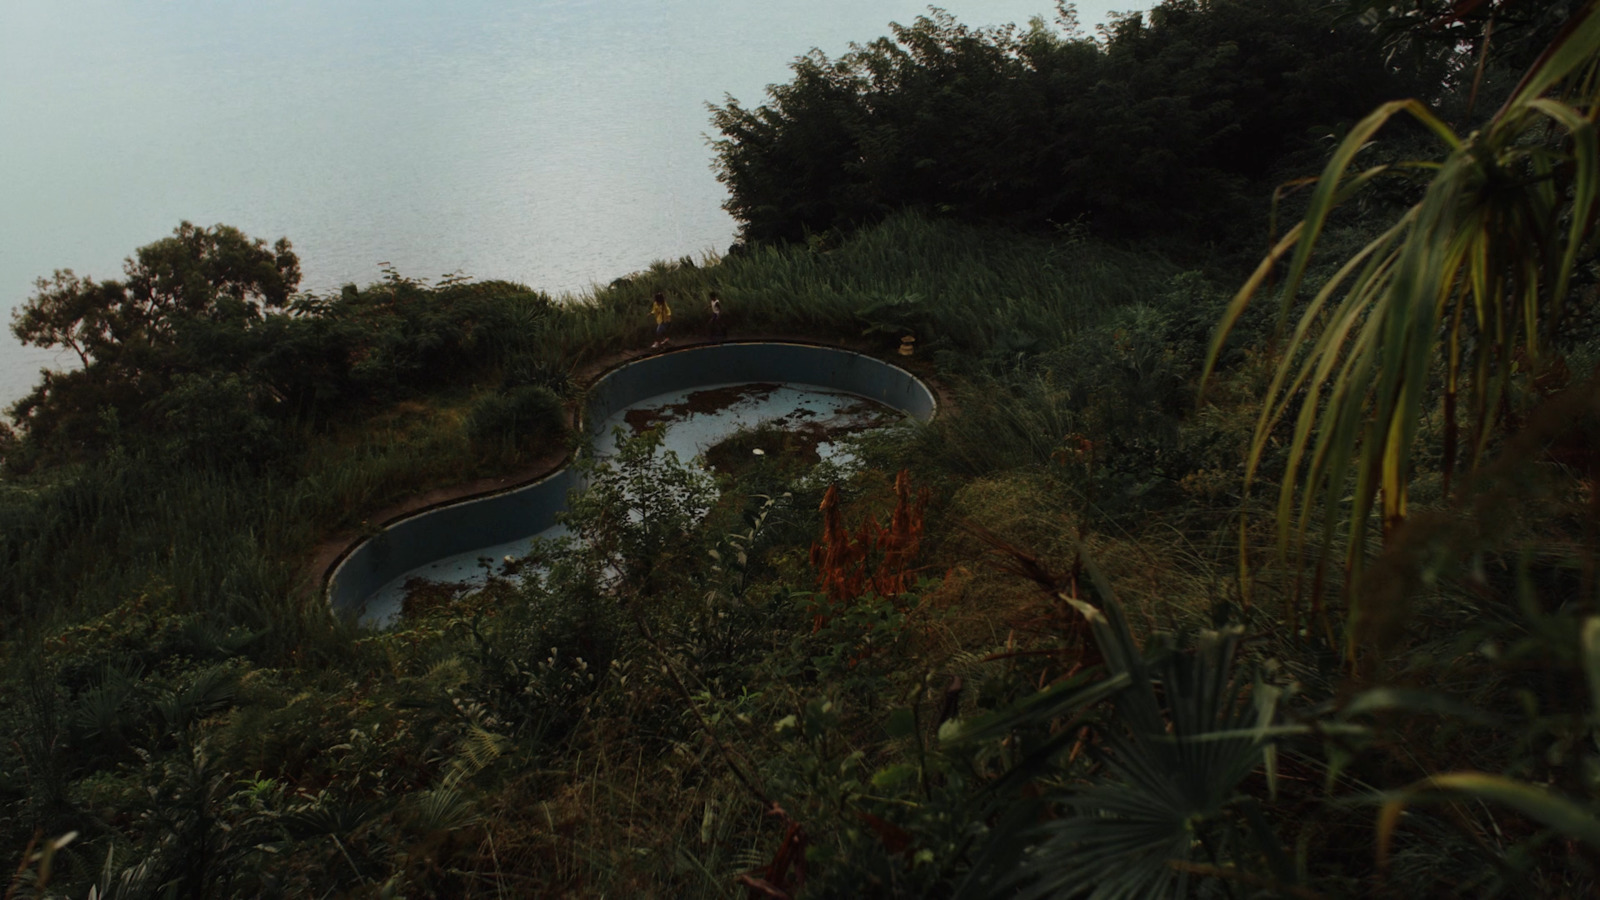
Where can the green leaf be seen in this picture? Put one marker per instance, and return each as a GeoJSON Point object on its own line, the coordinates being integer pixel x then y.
{"type": "Point", "coordinates": [1589, 640]}
{"type": "Point", "coordinates": [892, 777]}
{"type": "Point", "coordinates": [901, 722]}
{"type": "Point", "coordinates": [952, 731]}
{"type": "Point", "coordinates": [1555, 812]}
{"type": "Point", "coordinates": [1384, 699]}
{"type": "Point", "coordinates": [1497, 235]}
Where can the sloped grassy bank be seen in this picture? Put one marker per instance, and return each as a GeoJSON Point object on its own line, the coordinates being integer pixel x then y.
{"type": "Point", "coordinates": [171, 686]}
{"type": "Point", "coordinates": [1020, 628]}
{"type": "Point", "coordinates": [1044, 647]}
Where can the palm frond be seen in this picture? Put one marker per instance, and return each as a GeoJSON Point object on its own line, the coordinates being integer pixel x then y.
{"type": "Point", "coordinates": [442, 809]}
{"type": "Point", "coordinates": [1470, 280]}
{"type": "Point", "coordinates": [1182, 733]}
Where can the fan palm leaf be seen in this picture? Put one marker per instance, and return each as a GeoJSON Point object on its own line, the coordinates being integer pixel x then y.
{"type": "Point", "coordinates": [1183, 732]}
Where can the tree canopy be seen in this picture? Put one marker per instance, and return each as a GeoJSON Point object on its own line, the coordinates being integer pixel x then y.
{"type": "Point", "coordinates": [215, 273]}
{"type": "Point", "coordinates": [203, 347]}
{"type": "Point", "coordinates": [1158, 126]}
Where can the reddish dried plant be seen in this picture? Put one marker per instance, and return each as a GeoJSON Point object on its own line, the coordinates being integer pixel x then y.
{"type": "Point", "coordinates": [784, 876]}
{"type": "Point", "coordinates": [874, 557]}
{"type": "Point", "coordinates": [1076, 449]}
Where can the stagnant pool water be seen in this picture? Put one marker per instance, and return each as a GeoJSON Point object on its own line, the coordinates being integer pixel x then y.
{"type": "Point", "coordinates": [693, 421]}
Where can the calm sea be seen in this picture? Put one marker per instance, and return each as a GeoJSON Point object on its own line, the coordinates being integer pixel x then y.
{"type": "Point", "coordinates": [553, 142]}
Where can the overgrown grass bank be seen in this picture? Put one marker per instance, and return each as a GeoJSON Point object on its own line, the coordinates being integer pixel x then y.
{"type": "Point", "coordinates": [151, 585]}
{"type": "Point", "coordinates": [1051, 645]}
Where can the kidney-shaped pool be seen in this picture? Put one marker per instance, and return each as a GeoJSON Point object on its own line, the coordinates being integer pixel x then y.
{"type": "Point", "coordinates": [698, 396]}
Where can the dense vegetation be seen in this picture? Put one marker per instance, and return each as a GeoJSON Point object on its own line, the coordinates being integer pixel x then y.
{"type": "Point", "coordinates": [1052, 644]}
{"type": "Point", "coordinates": [1171, 125]}
{"type": "Point", "coordinates": [205, 349]}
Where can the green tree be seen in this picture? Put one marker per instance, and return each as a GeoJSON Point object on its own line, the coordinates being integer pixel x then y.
{"type": "Point", "coordinates": [173, 315]}
{"type": "Point", "coordinates": [1451, 38]}
{"type": "Point", "coordinates": [1161, 127]}
{"type": "Point", "coordinates": [215, 273]}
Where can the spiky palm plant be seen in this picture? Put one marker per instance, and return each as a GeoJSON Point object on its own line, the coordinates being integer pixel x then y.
{"type": "Point", "coordinates": [1452, 310]}
{"type": "Point", "coordinates": [1163, 804]}
{"type": "Point", "coordinates": [1469, 283]}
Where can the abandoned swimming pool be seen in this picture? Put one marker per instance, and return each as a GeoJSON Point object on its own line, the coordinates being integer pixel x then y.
{"type": "Point", "coordinates": [699, 396]}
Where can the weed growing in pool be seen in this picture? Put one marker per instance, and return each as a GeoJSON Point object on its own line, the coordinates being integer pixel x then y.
{"type": "Point", "coordinates": [638, 508]}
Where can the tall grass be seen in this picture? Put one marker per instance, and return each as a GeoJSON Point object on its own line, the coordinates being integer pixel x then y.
{"type": "Point", "coordinates": [225, 545]}
{"type": "Point", "coordinates": [209, 544]}
{"type": "Point", "coordinates": [952, 286]}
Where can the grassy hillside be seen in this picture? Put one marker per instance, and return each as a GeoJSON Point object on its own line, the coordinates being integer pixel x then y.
{"type": "Point", "coordinates": [161, 633]}
{"type": "Point", "coordinates": [1064, 641]}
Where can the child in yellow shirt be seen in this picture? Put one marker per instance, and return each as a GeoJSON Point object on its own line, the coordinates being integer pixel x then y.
{"type": "Point", "coordinates": [663, 314]}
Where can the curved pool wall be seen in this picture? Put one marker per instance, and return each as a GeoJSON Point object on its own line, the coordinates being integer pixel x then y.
{"type": "Point", "coordinates": [825, 367]}
{"type": "Point", "coordinates": [500, 518]}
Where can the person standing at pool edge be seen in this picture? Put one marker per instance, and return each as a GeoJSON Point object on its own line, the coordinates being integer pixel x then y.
{"type": "Point", "coordinates": [663, 314]}
{"type": "Point", "coordinates": [715, 327]}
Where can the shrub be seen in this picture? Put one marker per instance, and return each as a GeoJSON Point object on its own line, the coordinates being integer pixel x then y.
{"type": "Point", "coordinates": [523, 418]}
{"type": "Point", "coordinates": [215, 419]}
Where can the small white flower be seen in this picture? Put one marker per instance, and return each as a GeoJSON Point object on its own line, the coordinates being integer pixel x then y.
{"type": "Point", "coordinates": [758, 452]}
